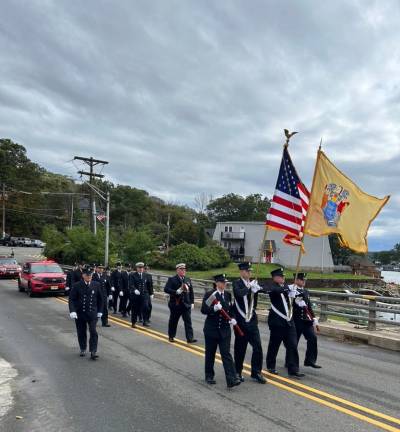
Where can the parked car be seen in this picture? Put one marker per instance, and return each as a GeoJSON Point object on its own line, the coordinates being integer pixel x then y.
{"type": "Point", "coordinates": [38, 243]}
{"type": "Point", "coordinates": [5, 241]}
{"type": "Point", "coordinates": [42, 277]}
{"type": "Point", "coordinates": [9, 267]}
{"type": "Point", "coordinates": [20, 241]}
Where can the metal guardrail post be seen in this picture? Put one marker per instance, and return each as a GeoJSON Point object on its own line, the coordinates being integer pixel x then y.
{"type": "Point", "coordinates": [324, 309]}
{"type": "Point", "coordinates": [372, 314]}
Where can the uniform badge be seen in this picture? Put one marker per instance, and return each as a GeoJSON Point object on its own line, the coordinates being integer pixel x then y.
{"type": "Point", "coordinates": [92, 291]}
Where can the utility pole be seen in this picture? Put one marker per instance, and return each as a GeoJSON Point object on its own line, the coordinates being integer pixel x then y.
{"type": "Point", "coordinates": [92, 175]}
{"type": "Point", "coordinates": [71, 222]}
{"type": "Point", "coordinates": [168, 230]}
{"type": "Point", "coordinates": [3, 198]}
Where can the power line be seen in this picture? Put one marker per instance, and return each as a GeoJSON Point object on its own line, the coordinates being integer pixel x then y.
{"type": "Point", "coordinates": [91, 162]}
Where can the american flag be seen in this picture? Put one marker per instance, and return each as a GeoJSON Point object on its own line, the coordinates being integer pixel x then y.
{"type": "Point", "coordinates": [289, 204]}
{"type": "Point", "coordinates": [100, 217]}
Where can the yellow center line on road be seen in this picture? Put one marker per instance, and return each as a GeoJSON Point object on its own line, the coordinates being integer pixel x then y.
{"type": "Point", "coordinates": [199, 351]}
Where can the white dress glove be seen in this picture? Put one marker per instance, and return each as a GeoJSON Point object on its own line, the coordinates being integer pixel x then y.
{"type": "Point", "coordinates": [152, 296]}
{"type": "Point", "coordinates": [217, 307]}
{"type": "Point", "coordinates": [73, 315]}
{"type": "Point", "coordinates": [233, 322]}
{"type": "Point", "coordinates": [254, 286]}
{"type": "Point", "coordinates": [66, 288]}
{"type": "Point", "coordinates": [179, 291]}
{"type": "Point", "coordinates": [99, 314]}
{"type": "Point", "coordinates": [137, 292]}
{"type": "Point", "coordinates": [315, 321]}
{"type": "Point", "coordinates": [292, 294]}
{"type": "Point", "coordinates": [112, 289]}
{"type": "Point", "coordinates": [300, 302]}
{"type": "Point", "coordinates": [121, 293]}
{"type": "Point", "coordinates": [192, 306]}
{"type": "Point", "coordinates": [110, 297]}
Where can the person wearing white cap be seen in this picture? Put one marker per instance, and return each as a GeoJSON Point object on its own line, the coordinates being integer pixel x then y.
{"type": "Point", "coordinates": [140, 292]}
{"type": "Point", "coordinates": [181, 302]}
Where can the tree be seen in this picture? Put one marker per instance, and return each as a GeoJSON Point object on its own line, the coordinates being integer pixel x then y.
{"type": "Point", "coordinates": [233, 207]}
{"type": "Point", "coordinates": [185, 231]}
{"type": "Point", "coordinates": [340, 254]}
{"type": "Point", "coordinates": [137, 246]}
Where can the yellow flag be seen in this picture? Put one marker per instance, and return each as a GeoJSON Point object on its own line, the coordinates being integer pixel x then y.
{"type": "Point", "coordinates": [337, 205]}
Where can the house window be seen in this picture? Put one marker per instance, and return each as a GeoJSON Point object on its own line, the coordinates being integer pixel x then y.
{"type": "Point", "coordinates": [226, 228]}
{"type": "Point", "coordinates": [230, 229]}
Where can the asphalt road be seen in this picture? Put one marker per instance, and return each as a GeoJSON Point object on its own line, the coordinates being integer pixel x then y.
{"type": "Point", "coordinates": [143, 383]}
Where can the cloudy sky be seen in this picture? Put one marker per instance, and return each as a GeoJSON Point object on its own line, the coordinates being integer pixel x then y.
{"type": "Point", "coordinates": [183, 97]}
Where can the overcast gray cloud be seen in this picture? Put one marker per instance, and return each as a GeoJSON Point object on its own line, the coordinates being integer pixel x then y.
{"type": "Point", "coordinates": [185, 97]}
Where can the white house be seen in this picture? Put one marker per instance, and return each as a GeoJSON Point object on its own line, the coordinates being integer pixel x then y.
{"type": "Point", "coordinates": [243, 241]}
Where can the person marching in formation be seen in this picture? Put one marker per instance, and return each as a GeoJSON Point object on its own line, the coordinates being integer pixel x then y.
{"type": "Point", "coordinates": [281, 325]}
{"type": "Point", "coordinates": [116, 285]}
{"type": "Point", "coordinates": [181, 302]}
{"type": "Point", "coordinates": [245, 294]}
{"type": "Point", "coordinates": [100, 277]}
{"type": "Point", "coordinates": [150, 279]}
{"type": "Point", "coordinates": [85, 307]}
{"type": "Point", "coordinates": [305, 320]}
{"type": "Point", "coordinates": [107, 274]}
{"type": "Point", "coordinates": [73, 276]}
{"type": "Point", "coordinates": [217, 332]}
{"type": "Point", "coordinates": [124, 292]}
{"type": "Point", "coordinates": [140, 294]}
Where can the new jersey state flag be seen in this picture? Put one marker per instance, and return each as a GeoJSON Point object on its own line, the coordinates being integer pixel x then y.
{"type": "Point", "coordinates": [337, 205]}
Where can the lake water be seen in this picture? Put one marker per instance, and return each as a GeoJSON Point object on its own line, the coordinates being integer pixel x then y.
{"type": "Point", "coordinates": [391, 276]}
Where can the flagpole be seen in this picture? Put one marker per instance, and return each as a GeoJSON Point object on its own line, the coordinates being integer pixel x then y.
{"type": "Point", "coordinates": [288, 136]}
{"type": "Point", "coordinates": [306, 219]}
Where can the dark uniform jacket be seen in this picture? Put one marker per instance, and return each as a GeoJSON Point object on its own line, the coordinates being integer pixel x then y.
{"type": "Point", "coordinates": [104, 283]}
{"type": "Point", "coordinates": [86, 301]}
{"type": "Point", "coordinates": [185, 299]}
{"type": "Point", "coordinates": [143, 283]}
{"type": "Point", "coordinates": [117, 280]}
{"type": "Point", "coordinates": [240, 292]}
{"type": "Point", "coordinates": [215, 324]}
{"type": "Point", "coordinates": [274, 320]}
{"type": "Point", "coordinates": [76, 276]}
{"type": "Point", "coordinates": [68, 282]}
{"type": "Point", "coordinates": [299, 313]}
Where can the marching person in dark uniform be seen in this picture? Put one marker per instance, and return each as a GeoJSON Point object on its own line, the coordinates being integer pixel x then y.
{"type": "Point", "coordinates": [107, 274]}
{"type": "Point", "coordinates": [150, 278]}
{"type": "Point", "coordinates": [100, 277]}
{"type": "Point", "coordinates": [85, 307]}
{"type": "Point", "coordinates": [140, 292]}
{"type": "Point", "coordinates": [305, 320]}
{"type": "Point", "coordinates": [181, 302]}
{"type": "Point", "coordinates": [217, 332]}
{"type": "Point", "coordinates": [124, 292]}
{"type": "Point", "coordinates": [246, 294]}
{"type": "Point", "coordinates": [116, 285]}
{"type": "Point", "coordinates": [77, 274]}
{"type": "Point", "coordinates": [281, 325]}
{"type": "Point", "coordinates": [68, 281]}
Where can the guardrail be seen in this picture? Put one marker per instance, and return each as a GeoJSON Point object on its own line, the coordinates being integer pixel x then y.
{"type": "Point", "coordinates": [361, 309]}
{"type": "Point", "coordinates": [328, 303]}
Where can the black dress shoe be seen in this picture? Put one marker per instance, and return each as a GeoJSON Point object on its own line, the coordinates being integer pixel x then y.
{"type": "Point", "coordinates": [297, 375]}
{"type": "Point", "coordinates": [233, 383]}
{"type": "Point", "coordinates": [192, 341]}
{"type": "Point", "coordinates": [313, 365]}
{"type": "Point", "coordinates": [93, 356]}
{"type": "Point", "coordinates": [133, 325]}
{"type": "Point", "coordinates": [240, 378]}
{"type": "Point", "coordinates": [105, 325]}
{"type": "Point", "coordinates": [82, 353]}
{"type": "Point", "coordinates": [171, 339]}
{"type": "Point", "coordinates": [273, 371]}
{"type": "Point", "coordinates": [259, 378]}
{"type": "Point", "coordinates": [124, 315]}
{"type": "Point", "coordinates": [146, 324]}
{"type": "Point", "coordinates": [211, 381]}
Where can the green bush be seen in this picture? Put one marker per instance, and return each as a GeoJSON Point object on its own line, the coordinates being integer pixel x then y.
{"type": "Point", "coordinates": [195, 258]}
{"type": "Point", "coordinates": [137, 246]}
